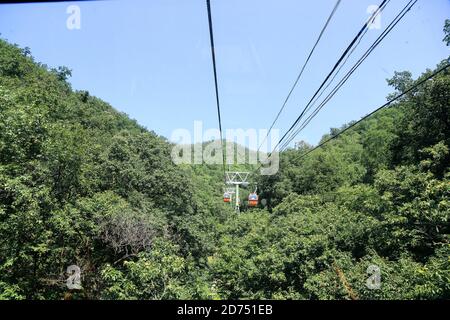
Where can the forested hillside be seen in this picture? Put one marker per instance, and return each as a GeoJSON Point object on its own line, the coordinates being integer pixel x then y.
{"type": "Point", "coordinates": [81, 183]}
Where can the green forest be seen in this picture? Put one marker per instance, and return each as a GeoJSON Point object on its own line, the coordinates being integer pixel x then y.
{"type": "Point", "coordinates": [83, 184]}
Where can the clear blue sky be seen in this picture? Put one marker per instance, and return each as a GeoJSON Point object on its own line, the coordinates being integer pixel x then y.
{"type": "Point", "coordinates": [151, 59]}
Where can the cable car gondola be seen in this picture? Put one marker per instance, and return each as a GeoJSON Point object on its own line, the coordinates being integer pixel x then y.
{"type": "Point", "coordinates": [227, 197]}
{"type": "Point", "coordinates": [253, 199]}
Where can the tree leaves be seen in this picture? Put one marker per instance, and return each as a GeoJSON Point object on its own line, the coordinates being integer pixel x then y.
{"type": "Point", "coordinates": [81, 183]}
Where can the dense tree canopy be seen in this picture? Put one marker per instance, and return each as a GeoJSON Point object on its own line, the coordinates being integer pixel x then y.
{"type": "Point", "coordinates": [82, 184]}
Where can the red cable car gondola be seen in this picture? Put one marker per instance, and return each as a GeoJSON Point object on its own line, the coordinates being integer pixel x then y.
{"type": "Point", "coordinates": [252, 200]}
{"type": "Point", "coordinates": [226, 197]}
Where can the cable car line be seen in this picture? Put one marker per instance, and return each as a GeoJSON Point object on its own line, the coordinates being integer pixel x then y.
{"type": "Point", "coordinates": [213, 56]}
{"type": "Point", "coordinates": [388, 29]}
{"type": "Point", "coordinates": [344, 54]}
{"type": "Point", "coordinates": [335, 75]}
{"type": "Point", "coordinates": [348, 51]}
{"type": "Point", "coordinates": [301, 71]}
{"type": "Point", "coordinates": [418, 84]}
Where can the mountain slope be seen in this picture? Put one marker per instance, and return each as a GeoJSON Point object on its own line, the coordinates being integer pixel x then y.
{"type": "Point", "coordinates": [82, 184]}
